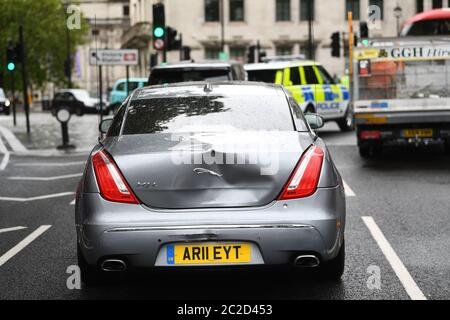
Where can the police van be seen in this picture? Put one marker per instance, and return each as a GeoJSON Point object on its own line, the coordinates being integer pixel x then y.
{"type": "Point", "coordinates": [311, 86]}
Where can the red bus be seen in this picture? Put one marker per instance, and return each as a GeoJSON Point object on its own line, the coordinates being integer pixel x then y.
{"type": "Point", "coordinates": [431, 23]}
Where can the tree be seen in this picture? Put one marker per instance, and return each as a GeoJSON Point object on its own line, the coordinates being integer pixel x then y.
{"type": "Point", "coordinates": [44, 24]}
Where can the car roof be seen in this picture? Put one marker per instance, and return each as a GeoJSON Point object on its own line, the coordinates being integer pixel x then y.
{"type": "Point", "coordinates": [276, 65]}
{"type": "Point", "coordinates": [200, 64]}
{"type": "Point", "coordinates": [186, 89]}
{"type": "Point", "coordinates": [131, 80]}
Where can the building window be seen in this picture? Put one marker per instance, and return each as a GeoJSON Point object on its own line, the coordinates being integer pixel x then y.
{"type": "Point", "coordinates": [353, 6]}
{"type": "Point", "coordinates": [126, 11]}
{"type": "Point", "coordinates": [237, 53]}
{"type": "Point", "coordinates": [212, 10]}
{"type": "Point", "coordinates": [419, 6]}
{"type": "Point", "coordinates": [212, 53]}
{"type": "Point", "coordinates": [305, 6]}
{"type": "Point", "coordinates": [379, 4]}
{"type": "Point", "coordinates": [236, 10]}
{"type": "Point", "coordinates": [283, 10]}
{"type": "Point", "coordinates": [283, 50]}
{"type": "Point", "coordinates": [437, 4]}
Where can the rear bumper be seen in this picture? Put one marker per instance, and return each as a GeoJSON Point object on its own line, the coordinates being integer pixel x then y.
{"type": "Point", "coordinates": [391, 126]}
{"type": "Point", "coordinates": [138, 235]}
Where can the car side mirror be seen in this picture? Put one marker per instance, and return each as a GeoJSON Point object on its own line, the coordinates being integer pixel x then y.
{"type": "Point", "coordinates": [105, 125]}
{"type": "Point", "coordinates": [315, 121]}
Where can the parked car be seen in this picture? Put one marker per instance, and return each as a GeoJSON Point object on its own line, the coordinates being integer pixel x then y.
{"type": "Point", "coordinates": [119, 92]}
{"type": "Point", "coordinates": [5, 104]}
{"type": "Point", "coordinates": [166, 189]}
{"type": "Point", "coordinates": [77, 101]}
{"type": "Point", "coordinates": [197, 71]}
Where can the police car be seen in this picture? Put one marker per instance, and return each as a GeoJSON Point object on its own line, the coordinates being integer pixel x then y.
{"type": "Point", "coordinates": [311, 86]}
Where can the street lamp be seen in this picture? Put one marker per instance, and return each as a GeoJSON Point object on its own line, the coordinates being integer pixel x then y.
{"type": "Point", "coordinates": [398, 14]}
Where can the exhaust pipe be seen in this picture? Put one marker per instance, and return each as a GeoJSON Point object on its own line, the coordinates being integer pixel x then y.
{"type": "Point", "coordinates": [113, 266]}
{"type": "Point", "coordinates": [307, 261]}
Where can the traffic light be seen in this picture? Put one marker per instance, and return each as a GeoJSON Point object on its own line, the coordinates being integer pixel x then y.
{"type": "Point", "coordinates": [336, 45]}
{"type": "Point", "coordinates": [159, 26]}
{"type": "Point", "coordinates": [11, 57]}
{"type": "Point", "coordinates": [172, 42]}
{"type": "Point", "coordinates": [364, 30]}
{"type": "Point", "coordinates": [262, 54]}
{"type": "Point", "coordinates": [186, 53]}
{"type": "Point", "coordinates": [251, 56]}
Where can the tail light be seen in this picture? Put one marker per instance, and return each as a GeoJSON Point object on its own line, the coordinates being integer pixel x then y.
{"type": "Point", "coordinates": [111, 183]}
{"type": "Point", "coordinates": [305, 179]}
{"type": "Point", "coordinates": [373, 134]}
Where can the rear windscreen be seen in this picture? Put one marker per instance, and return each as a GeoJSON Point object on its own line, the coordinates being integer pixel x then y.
{"type": "Point", "coordinates": [166, 76]}
{"type": "Point", "coordinates": [267, 76]}
{"type": "Point", "coordinates": [210, 114]}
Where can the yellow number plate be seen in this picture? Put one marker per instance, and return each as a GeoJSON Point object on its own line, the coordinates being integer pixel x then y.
{"type": "Point", "coordinates": [419, 133]}
{"type": "Point", "coordinates": [192, 254]}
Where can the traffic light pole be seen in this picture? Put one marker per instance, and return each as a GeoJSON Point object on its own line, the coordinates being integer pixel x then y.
{"type": "Point", "coordinates": [24, 79]}
{"type": "Point", "coordinates": [13, 101]}
{"type": "Point", "coordinates": [100, 93]}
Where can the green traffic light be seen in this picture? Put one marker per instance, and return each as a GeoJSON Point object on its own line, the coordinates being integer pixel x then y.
{"type": "Point", "coordinates": [158, 32]}
{"type": "Point", "coordinates": [365, 42]}
{"type": "Point", "coordinates": [11, 66]}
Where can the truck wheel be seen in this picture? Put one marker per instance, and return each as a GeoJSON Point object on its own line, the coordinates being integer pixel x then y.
{"type": "Point", "coordinates": [447, 147]}
{"type": "Point", "coordinates": [332, 270]}
{"type": "Point", "coordinates": [348, 122]}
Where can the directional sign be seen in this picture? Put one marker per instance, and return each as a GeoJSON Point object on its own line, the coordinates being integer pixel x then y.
{"type": "Point", "coordinates": [125, 57]}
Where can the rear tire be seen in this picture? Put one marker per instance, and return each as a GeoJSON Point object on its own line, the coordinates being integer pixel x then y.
{"type": "Point", "coordinates": [79, 112]}
{"type": "Point", "coordinates": [334, 269]}
{"type": "Point", "coordinates": [90, 275]}
{"type": "Point", "coordinates": [310, 109]}
{"type": "Point", "coordinates": [347, 123]}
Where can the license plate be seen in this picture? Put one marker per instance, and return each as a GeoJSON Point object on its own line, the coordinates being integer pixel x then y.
{"type": "Point", "coordinates": [208, 254]}
{"type": "Point", "coordinates": [419, 133]}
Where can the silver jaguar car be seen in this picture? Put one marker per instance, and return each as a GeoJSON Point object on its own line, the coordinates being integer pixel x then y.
{"type": "Point", "coordinates": [208, 175]}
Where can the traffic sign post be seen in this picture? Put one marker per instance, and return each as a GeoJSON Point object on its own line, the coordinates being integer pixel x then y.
{"type": "Point", "coordinates": [119, 57]}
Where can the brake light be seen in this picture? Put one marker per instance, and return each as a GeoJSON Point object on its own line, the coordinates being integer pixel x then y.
{"type": "Point", "coordinates": [305, 179]}
{"type": "Point", "coordinates": [111, 183]}
{"type": "Point", "coordinates": [373, 134]}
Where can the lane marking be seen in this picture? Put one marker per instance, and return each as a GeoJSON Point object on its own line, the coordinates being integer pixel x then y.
{"type": "Point", "coordinates": [12, 229]}
{"type": "Point", "coordinates": [22, 244]}
{"type": "Point", "coordinates": [49, 164]}
{"type": "Point", "coordinates": [5, 159]}
{"type": "Point", "coordinates": [48, 196]}
{"type": "Point", "coordinates": [13, 142]}
{"type": "Point", "coordinates": [67, 176]}
{"type": "Point", "coordinates": [72, 203]}
{"type": "Point", "coordinates": [348, 191]}
{"type": "Point", "coordinates": [397, 265]}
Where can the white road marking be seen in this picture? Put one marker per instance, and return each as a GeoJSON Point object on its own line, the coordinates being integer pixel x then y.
{"type": "Point", "coordinates": [73, 202]}
{"type": "Point", "coordinates": [348, 191]}
{"type": "Point", "coordinates": [12, 229]}
{"type": "Point", "coordinates": [5, 159]}
{"type": "Point", "coordinates": [399, 268]}
{"type": "Point", "coordinates": [48, 196]}
{"type": "Point", "coordinates": [13, 142]}
{"type": "Point", "coordinates": [67, 176]}
{"type": "Point", "coordinates": [49, 164]}
{"type": "Point", "coordinates": [22, 244]}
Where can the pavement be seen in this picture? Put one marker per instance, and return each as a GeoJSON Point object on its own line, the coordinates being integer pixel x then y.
{"type": "Point", "coordinates": [397, 233]}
